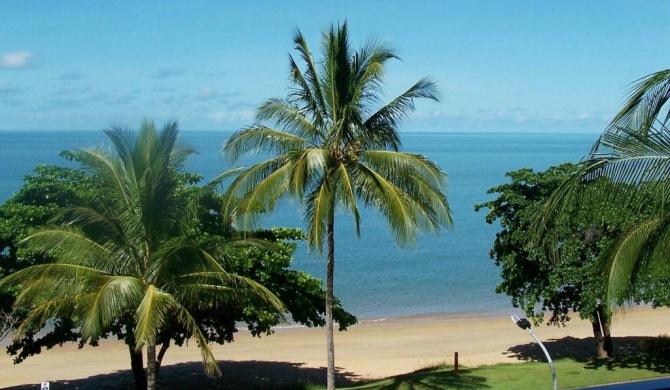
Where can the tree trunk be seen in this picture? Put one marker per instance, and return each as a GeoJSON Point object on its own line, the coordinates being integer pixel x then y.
{"type": "Point", "coordinates": [605, 323]}
{"type": "Point", "coordinates": [598, 337]}
{"type": "Point", "coordinates": [161, 354]}
{"type": "Point", "coordinates": [152, 371]}
{"type": "Point", "coordinates": [601, 334]}
{"type": "Point", "coordinates": [137, 364]}
{"type": "Point", "coordinates": [330, 271]}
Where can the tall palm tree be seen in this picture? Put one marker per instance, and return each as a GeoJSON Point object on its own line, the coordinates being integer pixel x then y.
{"type": "Point", "coordinates": [334, 146]}
{"type": "Point", "coordinates": [132, 259]}
{"type": "Point", "coordinates": [630, 163]}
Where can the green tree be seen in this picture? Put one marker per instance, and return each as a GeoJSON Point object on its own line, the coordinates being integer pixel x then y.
{"type": "Point", "coordinates": [51, 189]}
{"type": "Point", "coordinates": [335, 146]}
{"type": "Point", "coordinates": [634, 149]}
{"type": "Point", "coordinates": [43, 194]}
{"type": "Point", "coordinates": [132, 259]}
{"type": "Point", "coordinates": [530, 274]}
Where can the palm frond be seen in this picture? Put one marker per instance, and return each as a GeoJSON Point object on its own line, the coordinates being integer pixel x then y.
{"type": "Point", "coordinates": [318, 204]}
{"type": "Point", "coordinates": [383, 123]}
{"type": "Point", "coordinates": [42, 312]}
{"type": "Point", "coordinates": [308, 166]}
{"type": "Point", "coordinates": [260, 138]}
{"type": "Point", "coordinates": [645, 104]}
{"type": "Point", "coordinates": [110, 297]}
{"type": "Point", "coordinates": [56, 272]}
{"type": "Point", "coordinates": [408, 205]}
{"type": "Point", "coordinates": [153, 312]}
{"type": "Point", "coordinates": [258, 189]}
{"type": "Point", "coordinates": [390, 162]}
{"type": "Point", "coordinates": [309, 90]}
{"type": "Point", "coordinates": [221, 290]}
{"type": "Point", "coordinates": [634, 253]}
{"type": "Point", "coordinates": [346, 194]}
{"type": "Point", "coordinates": [190, 324]}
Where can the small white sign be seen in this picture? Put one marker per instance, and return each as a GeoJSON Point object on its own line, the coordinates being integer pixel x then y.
{"type": "Point", "coordinates": [45, 386]}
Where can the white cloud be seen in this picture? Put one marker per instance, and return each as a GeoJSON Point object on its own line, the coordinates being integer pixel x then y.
{"type": "Point", "coordinates": [206, 94]}
{"type": "Point", "coordinates": [17, 59]}
{"type": "Point", "coordinates": [232, 117]}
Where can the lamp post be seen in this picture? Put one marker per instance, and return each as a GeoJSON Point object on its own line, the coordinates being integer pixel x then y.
{"type": "Point", "coordinates": [523, 323]}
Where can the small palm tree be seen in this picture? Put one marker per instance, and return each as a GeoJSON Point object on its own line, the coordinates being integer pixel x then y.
{"type": "Point", "coordinates": [334, 147]}
{"type": "Point", "coordinates": [132, 259]}
{"type": "Point", "coordinates": [630, 163]}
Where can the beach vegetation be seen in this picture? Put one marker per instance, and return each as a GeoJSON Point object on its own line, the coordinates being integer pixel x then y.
{"type": "Point", "coordinates": [633, 153]}
{"type": "Point", "coordinates": [51, 189]}
{"type": "Point", "coordinates": [333, 145]}
{"type": "Point", "coordinates": [530, 273]}
{"type": "Point", "coordinates": [135, 250]}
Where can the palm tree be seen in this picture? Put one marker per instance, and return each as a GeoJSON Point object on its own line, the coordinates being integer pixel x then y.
{"type": "Point", "coordinates": [133, 259]}
{"type": "Point", "coordinates": [629, 163]}
{"type": "Point", "coordinates": [334, 148]}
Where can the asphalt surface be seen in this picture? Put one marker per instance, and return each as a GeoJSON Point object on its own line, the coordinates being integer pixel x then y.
{"type": "Point", "coordinates": [649, 384]}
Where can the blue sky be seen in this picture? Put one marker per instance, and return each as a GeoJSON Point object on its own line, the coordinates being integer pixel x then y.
{"type": "Point", "coordinates": [516, 66]}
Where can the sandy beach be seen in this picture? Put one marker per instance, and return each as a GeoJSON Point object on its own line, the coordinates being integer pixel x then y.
{"type": "Point", "coordinates": [367, 350]}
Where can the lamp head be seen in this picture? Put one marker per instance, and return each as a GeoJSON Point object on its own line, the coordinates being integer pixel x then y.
{"type": "Point", "coordinates": [522, 323]}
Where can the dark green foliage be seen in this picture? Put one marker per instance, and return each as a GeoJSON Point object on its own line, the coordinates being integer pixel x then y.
{"type": "Point", "coordinates": [532, 275]}
{"type": "Point", "coordinates": [51, 189]}
{"type": "Point", "coordinates": [301, 293]}
{"type": "Point", "coordinates": [628, 163]}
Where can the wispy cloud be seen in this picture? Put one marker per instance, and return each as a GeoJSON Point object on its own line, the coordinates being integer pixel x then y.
{"type": "Point", "coordinates": [163, 89]}
{"type": "Point", "coordinates": [120, 100]}
{"type": "Point", "coordinates": [166, 73]}
{"type": "Point", "coordinates": [66, 102]}
{"type": "Point", "coordinates": [21, 59]}
{"type": "Point", "coordinates": [71, 91]}
{"type": "Point", "coordinates": [231, 116]}
{"type": "Point", "coordinates": [10, 90]}
{"type": "Point", "coordinates": [206, 94]}
{"type": "Point", "coordinates": [177, 100]}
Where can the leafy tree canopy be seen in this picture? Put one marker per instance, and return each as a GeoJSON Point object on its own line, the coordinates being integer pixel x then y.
{"type": "Point", "coordinates": [532, 275]}
{"type": "Point", "coordinates": [51, 189]}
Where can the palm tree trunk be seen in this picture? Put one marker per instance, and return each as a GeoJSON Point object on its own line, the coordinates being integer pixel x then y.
{"type": "Point", "coordinates": [152, 371]}
{"type": "Point", "coordinates": [137, 365]}
{"type": "Point", "coordinates": [330, 271]}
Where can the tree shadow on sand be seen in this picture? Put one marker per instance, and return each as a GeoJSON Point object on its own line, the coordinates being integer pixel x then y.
{"type": "Point", "coordinates": [629, 352]}
{"type": "Point", "coordinates": [253, 375]}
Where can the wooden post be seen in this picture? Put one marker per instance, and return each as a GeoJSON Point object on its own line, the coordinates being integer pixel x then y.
{"type": "Point", "coordinates": [455, 361]}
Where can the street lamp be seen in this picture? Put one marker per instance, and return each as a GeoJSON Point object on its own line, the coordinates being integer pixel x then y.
{"type": "Point", "coordinates": [523, 323]}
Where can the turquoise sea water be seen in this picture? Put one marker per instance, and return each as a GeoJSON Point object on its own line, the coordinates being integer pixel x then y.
{"type": "Point", "coordinates": [443, 275]}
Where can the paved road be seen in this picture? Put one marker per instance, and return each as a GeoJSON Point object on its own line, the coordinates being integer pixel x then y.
{"type": "Point", "coordinates": [650, 384]}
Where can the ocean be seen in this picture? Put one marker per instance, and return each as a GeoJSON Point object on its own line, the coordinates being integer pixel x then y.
{"type": "Point", "coordinates": [447, 274]}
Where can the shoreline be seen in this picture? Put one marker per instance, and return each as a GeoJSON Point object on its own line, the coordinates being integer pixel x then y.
{"type": "Point", "coordinates": [370, 349]}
